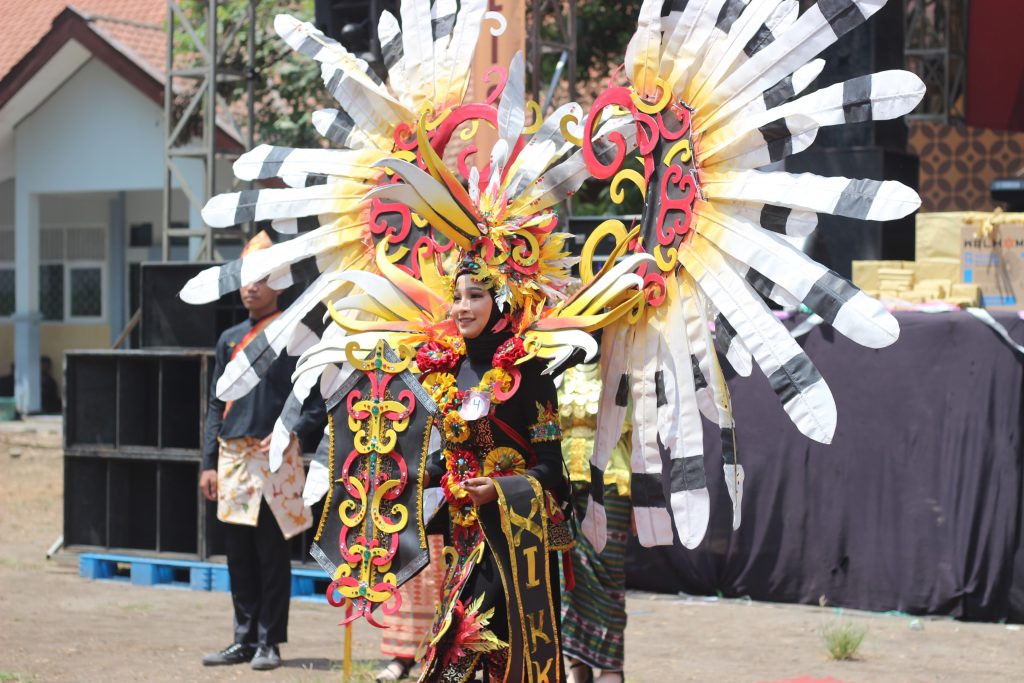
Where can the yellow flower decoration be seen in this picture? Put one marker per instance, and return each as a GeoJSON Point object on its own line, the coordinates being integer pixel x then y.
{"type": "Point", "coordinates": [464, 516]}
{"type": "Point", "coordinates": [456, 344]}
{"type": "Point", "coordinates": [496, 378]}
{"type": "Point", "coordinates": [503, 461]}
{"type": "Point", "coordinates": [441, 387]}
{"type": "Point", "coordinates": [455, 428]}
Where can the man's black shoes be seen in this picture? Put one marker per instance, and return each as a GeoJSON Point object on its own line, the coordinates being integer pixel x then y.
{"type": "Point", "coordinates": [267, 658]}
{"type": "Point", "coordinates": [235, 653]}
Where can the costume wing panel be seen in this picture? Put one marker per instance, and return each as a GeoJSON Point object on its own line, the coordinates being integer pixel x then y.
{"type": "Point", "coordinates": [371, 538]}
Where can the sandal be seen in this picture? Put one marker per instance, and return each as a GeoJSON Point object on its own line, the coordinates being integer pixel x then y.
{"type": "Point", "coordinates": [395, 670]}
{"type": "Point", "coordinates": [579, 672]}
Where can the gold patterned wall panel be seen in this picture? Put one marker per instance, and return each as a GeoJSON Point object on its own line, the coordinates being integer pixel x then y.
{"type": "Point", "coordinates": [958, 164]}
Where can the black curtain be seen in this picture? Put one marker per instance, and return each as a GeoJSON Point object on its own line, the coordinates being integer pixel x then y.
{"type": "Point", "coordinates": [915, 506]}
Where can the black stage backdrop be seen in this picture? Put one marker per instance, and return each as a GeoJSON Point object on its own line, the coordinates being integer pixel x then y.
{"type": "Point", "coordinates": [916, 505]}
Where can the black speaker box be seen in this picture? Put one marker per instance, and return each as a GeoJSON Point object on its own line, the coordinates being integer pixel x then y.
{"type": "Point", "coordinates": [839, 241]}
{"type": "Point", "coordinates": [167, 321]}
{"type": "Point", "coordinates": [874, 149]}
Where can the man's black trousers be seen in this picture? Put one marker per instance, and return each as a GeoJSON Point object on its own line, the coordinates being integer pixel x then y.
{"type": "Point", "coordinates": [259, 563]}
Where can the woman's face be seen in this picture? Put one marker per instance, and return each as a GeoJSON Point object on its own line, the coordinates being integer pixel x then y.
{"type": "Point", "coordinates": [471, 308]}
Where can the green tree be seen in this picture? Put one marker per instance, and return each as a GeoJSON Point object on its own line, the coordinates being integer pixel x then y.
{"type": "Point", "coordinates": [287, 86]}
{"type": "Point", "coordinates": [603, 28]}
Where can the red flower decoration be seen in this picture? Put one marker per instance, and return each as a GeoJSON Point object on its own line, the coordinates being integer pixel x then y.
{"type": "Point", "coordinates": [436, 357]}
{"type": "Point", "coordinates": [461, 466]}
{"type": "Point", "coordinates": [508, 353]}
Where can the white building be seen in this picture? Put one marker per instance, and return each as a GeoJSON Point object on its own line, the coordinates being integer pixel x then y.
{"type": "Point", "coordinates": [81, 175]}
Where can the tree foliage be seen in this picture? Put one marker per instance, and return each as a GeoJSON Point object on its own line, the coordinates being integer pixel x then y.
{"type": "Point", "coordinates": [287, 88]}
{"type": "Point", "coordinates": [602, 31]}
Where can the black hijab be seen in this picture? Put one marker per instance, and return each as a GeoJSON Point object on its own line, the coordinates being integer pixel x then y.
{"type": "Point", "coordinates": [496, 332]}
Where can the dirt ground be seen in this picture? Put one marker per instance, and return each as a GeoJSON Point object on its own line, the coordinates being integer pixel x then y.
{"type": "Point", "coordinates": [55, 626]}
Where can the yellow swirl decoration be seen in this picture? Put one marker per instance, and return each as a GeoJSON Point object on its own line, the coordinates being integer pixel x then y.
{"type": "Point", "coordinates": [404, 155]}
{"type": "Point", "coordinates": [396, 255]}
{"type": "Point", "coordinates": [379, 520]}
{"type": "Point", "coordinates": [667, 259]}
{"type": "Point", "coordinates": [469, 132]}
{"type": "Point", "coordinates": [432, 124]}
{"type": "Point", "coordinates": [375, 420]}
{"type": "Point", "coordinates": [531, 345]}
{"type": "Point", "coordinates": [418, 220]}
{"type": "Point", "coordinates": [680, 146]}
{"type": "Point", "coordinates": [538, 117]}
{"type": "Point", "coordinates": [638, 310]}
{"type": "Point", "coordinates": [377, 438]}
{"type": "Point", "coordinates": [377, 361]}
{"type": "Point", "coordinates": [346, 507]}
{"type": "Point", "coordinates": [563, 126]}
{"type": "Point", "coordinates": [618, 193]}
{"type": "Point", "coordinates": [526, 254]}
{"type": "Point", "coordinates": [611, 227]}
{"type": "Point", "coordinates": [646, 107]}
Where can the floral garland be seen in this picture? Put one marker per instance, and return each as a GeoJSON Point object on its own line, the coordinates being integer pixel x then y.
{"type": "Point", "coordinates": [437, 361]}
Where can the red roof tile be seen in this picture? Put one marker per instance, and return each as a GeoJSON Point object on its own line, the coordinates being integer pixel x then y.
{"type": "Point", "coordinates": [136, 26]}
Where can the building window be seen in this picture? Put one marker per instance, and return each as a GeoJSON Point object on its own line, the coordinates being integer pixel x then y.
{"type": "Point", "coordinates": [51, 291]}
{"type": "Point", "coordinates": [85, 291]}
{"type": "Point", "coordinates": [6, 291]}
{"type": "Point", "coordinates": [72, 275]}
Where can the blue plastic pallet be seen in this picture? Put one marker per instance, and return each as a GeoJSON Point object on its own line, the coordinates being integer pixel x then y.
{"type": "Point", "coordinates": [308, 584]}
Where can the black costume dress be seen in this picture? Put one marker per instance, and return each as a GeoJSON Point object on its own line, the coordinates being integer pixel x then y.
{"type": "Point", "coordinates": [503, 560]}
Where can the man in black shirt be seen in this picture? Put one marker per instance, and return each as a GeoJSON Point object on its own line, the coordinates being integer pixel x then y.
{"type": "Point", "coordinates": [262, 509]}
{"type": "Point", "coordinates": [50, 402]}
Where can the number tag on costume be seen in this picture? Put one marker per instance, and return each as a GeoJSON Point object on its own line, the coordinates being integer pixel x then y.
{"type": "Point", "coordinates": [475, 406]}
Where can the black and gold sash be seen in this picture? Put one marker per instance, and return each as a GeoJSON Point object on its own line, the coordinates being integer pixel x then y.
{"type": "Point", "coordinates": [516, 533]}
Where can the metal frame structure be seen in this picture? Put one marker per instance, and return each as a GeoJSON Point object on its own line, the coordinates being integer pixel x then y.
{"type": "Point", "coordinates": [179, 127]}
{"type": "Point", "coordinates": [935, 48]}
{"type": "Point", "coordinates": [551, 30]}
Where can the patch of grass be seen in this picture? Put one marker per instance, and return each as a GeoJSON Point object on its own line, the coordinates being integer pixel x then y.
{"type": "Point", "coordinates": [12, 677]}
{"type": "Point", "coordinates": [843, 639]}
{"type": "Point", "coordinates": [136, 607]}
{"type": "Point", "coordinates": [363, 671]}
{"type": "Point", "coordinates": [17, 565]}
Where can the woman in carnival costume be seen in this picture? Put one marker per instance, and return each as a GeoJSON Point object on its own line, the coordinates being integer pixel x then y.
{"type": "Point", "coordinates": [500, 468]}
{"type": "Point", "coordinates": [594, 606]}
{"type": "Point", "coordinates": [389, 226]}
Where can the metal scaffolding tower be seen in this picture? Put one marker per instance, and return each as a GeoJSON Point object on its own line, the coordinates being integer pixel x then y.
{"type": "Point", "coordinates": [551, 30]}
{"type": "Point", "coordinates": [193, 131]}
{"type": "Point", "coordinates": [196, 66]}
{"type": "Point", "coordinates": [935, 48]}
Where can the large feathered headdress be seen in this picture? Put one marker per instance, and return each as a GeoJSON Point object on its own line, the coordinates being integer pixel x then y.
{"type": "Point", "coordinates": [710, 97]}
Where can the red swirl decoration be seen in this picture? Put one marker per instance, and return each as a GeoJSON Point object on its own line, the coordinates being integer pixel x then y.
{"type": "Point", "coordinates": [669, 233]}
{"type": "Point", "coordinates": [381, 228]}
{"type": "Point", "coordinates": [609, 98]}
{"type": "Point", "coordinates": [499, 87]}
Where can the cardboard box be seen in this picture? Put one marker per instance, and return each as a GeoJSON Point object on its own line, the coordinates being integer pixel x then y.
{"type": "Point", "coordinates": [995, 263]}
{"type": "Point", "coordinates": [938, 269]}
{"type": "Point", "coordinates": [966, 295]}
{"type": "Point", "coordinates": [866, 273]}
{"type": "Point", "coordinates": [937, 235]}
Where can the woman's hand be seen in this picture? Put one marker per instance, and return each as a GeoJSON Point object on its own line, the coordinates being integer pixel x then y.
{"type": "Point", "coordinates": [481, 490]}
